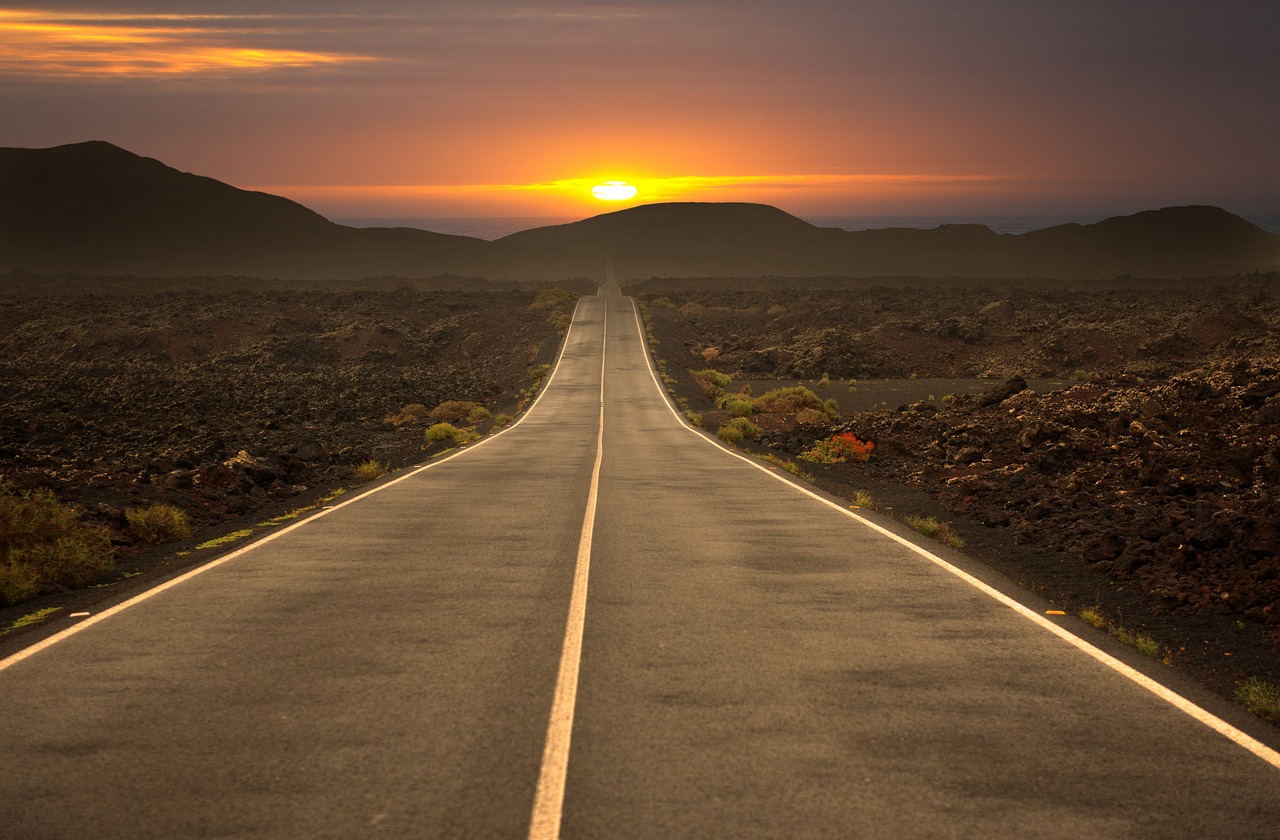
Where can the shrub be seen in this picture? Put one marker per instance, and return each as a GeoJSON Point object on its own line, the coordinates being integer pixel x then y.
{"type": "Point", "coordinates": [713, 377]}
{"type": "Point", "coordinates": [825, 380]}
{"type": "Point", "coordinates": [369, 470]}
{"type": "Point", "coordinates": [44, 542]}
{"type": "Point", "coordinates": [479, 415]}
{"type": "Point", "coordinates": [729, 434]}
{"type": "Point", "coordinates": [740, 407]}
{"type": "Point", "coordinates": [790, 401]}
{"type": "Point", "coordinates": [407, 414]}
{"type": "Point", "coordinates": [158, 523]}
{"type": "Point", "coordinates": [440, 431]}
{"type": "Point", "coordinates": [502, 420]}
{"type": "Point", "coordinates": [940, 531]}
{"type": "Point", "coordinates": [453, 411]}
{"type": "Point", "coordinates": [862, 498]}
{"type": "Point", "coordinates": [551, 298]}
{"type": "Point", "coordinates": [811, 417]}
{"type": "Point", "coordinates": [839, 448]}
{"type": "Point", "coordinates": [736, 429]}
{"type": "Point", "coordinates": [694, 417]}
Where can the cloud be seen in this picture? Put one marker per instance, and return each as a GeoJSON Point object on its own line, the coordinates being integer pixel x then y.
{"type": "Point", "coordinates": [79, 46]}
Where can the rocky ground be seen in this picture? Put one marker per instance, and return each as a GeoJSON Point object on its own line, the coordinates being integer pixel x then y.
{"type": "Point", "coordinates": [236, 398]}
{"type": "Point", "coordinates": [1147, 491]}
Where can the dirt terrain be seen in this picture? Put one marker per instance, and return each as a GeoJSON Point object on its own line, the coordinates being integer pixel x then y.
{"type": "Point", "coordinates": [236, 399]}
{"type": "Point", "coordinates": [1145, 489]}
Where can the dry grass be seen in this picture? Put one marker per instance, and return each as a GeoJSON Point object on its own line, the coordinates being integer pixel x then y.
{"type": "Point", "coordinates": [43, 542]}
{"type": "Point", "coordinates": [158, 523]}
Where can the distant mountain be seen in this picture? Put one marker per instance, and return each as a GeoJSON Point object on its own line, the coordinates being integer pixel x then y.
{"type": "Point", "coordinates": [93, 208]}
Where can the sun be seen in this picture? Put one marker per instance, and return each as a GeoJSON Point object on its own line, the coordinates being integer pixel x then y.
{"type": "Point", "coordinates": [614, 191]}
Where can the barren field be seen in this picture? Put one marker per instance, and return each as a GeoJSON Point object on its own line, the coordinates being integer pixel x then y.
{"type": "Point", "coordinates": [1143, 486]}
{"type": "Point", "coordinates": [236, 400]}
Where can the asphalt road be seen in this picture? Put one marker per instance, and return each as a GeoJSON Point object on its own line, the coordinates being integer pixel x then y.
{"type": "Point", "coordinates": [754, 663]}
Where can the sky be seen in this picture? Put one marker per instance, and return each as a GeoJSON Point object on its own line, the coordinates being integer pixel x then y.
{"type": "Point", "coordinates": [821, 107]}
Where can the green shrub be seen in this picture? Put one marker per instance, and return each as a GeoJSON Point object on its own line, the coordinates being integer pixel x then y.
{"type": "Point", "coordinates": [453, 411]}
{"type": "Point", "coordinates": [736, 429]}
{"type": "Point", "coordinates": [44, 542]}
{"type": "Point", "coordinates": [369, 470]}
{"type": "Point", "coordinates": [713, 377]}
{"type": "Point", "coordinates": [158, 523]}
{"type": "Point", "coordinates": [740, 408]}
{"type": "Point", "coordinates": [694, 417]}
{"type": "Point", "coordinates": [478, 415]}
{"type": "Point", "coordinates": [729, 434]}
{"type": "Point", "coordinates": [502, 420]}
{"type": "Point", "coordinates": [441, 431]}
{"type": "Point", "coordinates": [790, 401]}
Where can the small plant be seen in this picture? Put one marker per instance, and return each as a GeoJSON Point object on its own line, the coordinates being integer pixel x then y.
{"type": "Point", "coordinates": [454, 411]}
{"type": "Point", "coordinates": [1093, 616]}
{"type": "Point", "coordinates": [790, 466]}
{"type": "Point", "coordinates": [478, 415]}
{"type": "Point", "coordinates": [1082, 376]}
{"type": "Point", "coordinates": [839, 448]}
{"type": "Point", "coordinates": [218, 542]}
{"type": "Point", "coordinates": [714, 377]}
{"type": "Point", "coordinates": [369, 470]}
{"type": "Point", "coordinates": [440, 431]}
{"type": "Point", "coordinates": [862, 498]}
{"type": "Point", "coordinates": [694, 417]}
{"type": "Point", "coordinates": [932, 528]}
{"type": "Point", "coordinates": [465, 436]}
{"type": "Point", "coordinates": [29, 619]}
{"type": "Point", "coordinates": [408, 414]}
{"type": "Point", "coordinates": [737, 429]}
{"type": "Point", "coordinates": [501, 420]}
{"type": "Point", "coordinates": [158, 523]}
{"type": "Point", "coordinates": [825, 381]}
{"type": "Point", "coordinates": [1260, 697]}
{"type": "Point", "coordinates": [740, 408]}
{"type": "Point", "coordinates": [790, 401]}
{"type": "Point", "coordinates": [853, 386]}
{"type": "Point", "coordinates": [811, 417]}
{"type": "Point", "coordinates": [44, 542]}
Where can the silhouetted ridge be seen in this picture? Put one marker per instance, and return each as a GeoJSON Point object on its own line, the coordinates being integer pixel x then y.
{"type": "Point", "coordinates": [94, 208]}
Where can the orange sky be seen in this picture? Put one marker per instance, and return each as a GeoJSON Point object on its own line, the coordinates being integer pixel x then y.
{"type": "Point", "coordinates": [816, 106]}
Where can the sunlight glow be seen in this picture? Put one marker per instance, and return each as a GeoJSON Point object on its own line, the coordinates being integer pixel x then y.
{"type": "Point", "coordinates": [62, 45]}
{"type": "Point", "coordinates": [572, 196]}
{"type": "Point", "coordinates": [614, 191]}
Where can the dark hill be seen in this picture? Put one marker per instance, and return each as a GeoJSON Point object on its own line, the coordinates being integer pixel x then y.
{"type": "Point", "coordinates": [94, 208]}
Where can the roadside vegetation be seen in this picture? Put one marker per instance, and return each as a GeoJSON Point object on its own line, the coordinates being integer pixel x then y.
{"type": "Point", "coordinates": [158, 523]}
{"type": "Point", "coordinates": [45, 544]}
{"type": "Point", "coordinates": [932, 528]}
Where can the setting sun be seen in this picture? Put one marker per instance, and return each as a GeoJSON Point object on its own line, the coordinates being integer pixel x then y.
{"type": "Point", "coordinates": [614, 191]}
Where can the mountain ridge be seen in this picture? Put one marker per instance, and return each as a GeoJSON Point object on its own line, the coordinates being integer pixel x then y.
{"type": "Point", "coordinates": [94, 208]}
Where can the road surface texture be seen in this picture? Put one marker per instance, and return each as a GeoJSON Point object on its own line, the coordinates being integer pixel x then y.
{"type": "Point", "coordinates": [754, 663]}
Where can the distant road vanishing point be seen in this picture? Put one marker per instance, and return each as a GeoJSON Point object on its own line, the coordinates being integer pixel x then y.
{"type": "Point", "coordinates": [599, 624]}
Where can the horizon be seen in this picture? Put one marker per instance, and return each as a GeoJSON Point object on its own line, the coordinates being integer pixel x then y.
{"type": "Point", "coordinates": [818, 107]}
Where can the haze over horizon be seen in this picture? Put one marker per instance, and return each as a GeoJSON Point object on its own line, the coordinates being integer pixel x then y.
{"type": "Point", "coordinates": [819, 107]}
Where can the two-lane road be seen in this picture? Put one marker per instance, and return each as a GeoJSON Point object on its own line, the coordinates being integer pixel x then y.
{"type": "Point", "coordinates": [754, 663]}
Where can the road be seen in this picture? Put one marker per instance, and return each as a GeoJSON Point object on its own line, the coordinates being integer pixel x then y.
{"type": "Point", "coordinates": [754, 663]}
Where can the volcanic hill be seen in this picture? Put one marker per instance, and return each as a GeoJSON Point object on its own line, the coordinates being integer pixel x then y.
{"type": "Point", "coordinates": [93, 208]}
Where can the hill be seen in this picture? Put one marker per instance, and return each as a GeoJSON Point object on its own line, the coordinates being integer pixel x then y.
{"type": "Point", "coordinates": [94, 208]}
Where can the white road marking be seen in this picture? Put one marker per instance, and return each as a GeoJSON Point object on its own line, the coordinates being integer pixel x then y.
{"type": "Point", "coordinates": [15, 658]}
{"type": "Point", "coordinates": [548, 800]}
{"type": "Point", "coordinates": [1165, 693]}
